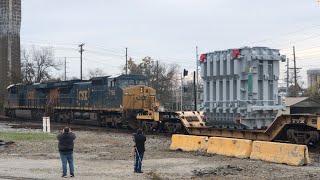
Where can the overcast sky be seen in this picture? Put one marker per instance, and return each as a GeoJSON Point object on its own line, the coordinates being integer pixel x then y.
{"type": "Point", "coordinates": [169, 30]}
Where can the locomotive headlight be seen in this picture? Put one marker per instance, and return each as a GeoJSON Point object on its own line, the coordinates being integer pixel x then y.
{"type": "Point", "coordinates": [152, 94]}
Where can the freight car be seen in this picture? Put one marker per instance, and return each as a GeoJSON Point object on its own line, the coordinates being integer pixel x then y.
{"type": "Point", "coordinates": [123, 101]}
{"type": "Point", "coordinates": [241, 98]}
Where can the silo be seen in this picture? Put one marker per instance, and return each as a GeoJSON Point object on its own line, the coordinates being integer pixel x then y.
{"type": "Point", "coordinates": [313, 76]}
{"type": "Point", "coordinates": [241, 87]}
{"type": "Point", "coordinates": [10, 62]}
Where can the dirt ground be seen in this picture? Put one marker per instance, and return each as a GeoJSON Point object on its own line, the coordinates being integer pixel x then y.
{"type": "Point", "coordinates": [107, 154]}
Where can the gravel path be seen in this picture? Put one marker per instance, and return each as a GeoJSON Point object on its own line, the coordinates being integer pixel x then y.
{"type": "Point", "coordinates": [107, 154]}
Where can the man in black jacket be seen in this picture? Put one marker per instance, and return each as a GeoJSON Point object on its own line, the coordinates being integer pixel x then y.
{"type": "Point", "coordinates": [139, 140]}
{"type": "Point", "coordinates": [66, 150]}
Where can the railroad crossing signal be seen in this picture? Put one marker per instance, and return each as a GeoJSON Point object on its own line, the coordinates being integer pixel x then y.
{"type": "Point", "coordinates": [185, 72]}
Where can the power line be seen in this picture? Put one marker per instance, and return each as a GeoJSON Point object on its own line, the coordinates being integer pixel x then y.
{"type": "Point", "coordinates": [284, 34]}
{"type": "Point", "coordinates": [170, 59]}
{"type": "Point", "coordinates": [100, 62]}
{"type": "Point", "coordinates": [310, 52]}
{"type": "Point", "coordinates": [299, 40]}
{"type": "Point", "coordinates": [295, 72]}
{"type": "Point", "coordinates": [309, 56]}
{"type": "Point", "coordinates": [313, 47]}
{"type": "Point", "coordinates": [50, 42]}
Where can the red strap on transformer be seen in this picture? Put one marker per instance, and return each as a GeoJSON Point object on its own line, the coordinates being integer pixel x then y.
{"type": "Point", "coordinates": [202, 58]}
{"type": "Point", "coordinates": [235, 53]}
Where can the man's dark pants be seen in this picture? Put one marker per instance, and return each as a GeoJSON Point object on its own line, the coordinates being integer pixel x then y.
{"type": "Point", "coordinates": [67, 157]}
{"type": "Point", "coordinates": [138, 161]}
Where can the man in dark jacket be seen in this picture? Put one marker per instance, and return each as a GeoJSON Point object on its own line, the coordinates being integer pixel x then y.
{"type": "Point", "coordinates": [139, 140]}
{"type": "Point", "coordinates": [66, 150]}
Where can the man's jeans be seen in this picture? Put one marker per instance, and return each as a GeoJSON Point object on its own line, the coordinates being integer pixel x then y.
{"type": "Point", "coordinates": [138, 162]}
{"type": "Point", "coordinates": [67, 157]}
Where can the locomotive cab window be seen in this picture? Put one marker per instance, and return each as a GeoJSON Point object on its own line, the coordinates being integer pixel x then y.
{"type": "Point", "coordinates": [131, 82]}
{"type": "Point", "coordinates": [64, 90]}
{"type": "Point", "coordinates": [13, 90]}
{"type": "Point", "coordinates": [97, 82]}
{"type": "Point", "coordinates": [127, 82]}
{"type": "Point", "coordinates": [142, 82]}
{"type": "Point", "coordinates": [112, 83]}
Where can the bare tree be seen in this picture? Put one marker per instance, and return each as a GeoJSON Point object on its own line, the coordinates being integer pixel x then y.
{"type": "Point", "coordinates": [314, 91]}
{"type": "Point", "coordinates": [161, 77]}
{"type": "Point", "coordinates": [96, 72]}
{"type": "Point", "coordinates": [38, 63]}
{"type": "Point", "coordinates": [295, 91]}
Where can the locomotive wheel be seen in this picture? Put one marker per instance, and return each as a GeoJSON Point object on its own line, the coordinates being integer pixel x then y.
{"type": "Point", "coordinates": [56, 117]}
{"type": "Point", "coordinates": [39, 116]}
{"type": "Point", "coordinates": [169, 128]}
{"type": "Point", "coordinates": [71, 119]}
{"type": "Point", "coordinates": [10, 113]}
{"type": "Point", "coordinates": [146, 126]}
{"type": "Point", "coordinates": [156, 127]}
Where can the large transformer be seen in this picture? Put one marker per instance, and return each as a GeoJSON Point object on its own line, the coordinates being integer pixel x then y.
{"type": "Point", "coordinates": [241, 87]}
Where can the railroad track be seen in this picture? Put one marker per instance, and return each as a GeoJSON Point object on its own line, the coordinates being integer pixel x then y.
{"type": "Point", "coordinates": [32, 124]}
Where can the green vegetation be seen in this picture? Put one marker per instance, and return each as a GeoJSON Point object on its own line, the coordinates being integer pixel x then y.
{"type": "Point", "coordinates": [26, 136]}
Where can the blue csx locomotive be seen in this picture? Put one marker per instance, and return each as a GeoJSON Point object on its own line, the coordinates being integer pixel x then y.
{"type": "Point", "coordinates": [107, 101]}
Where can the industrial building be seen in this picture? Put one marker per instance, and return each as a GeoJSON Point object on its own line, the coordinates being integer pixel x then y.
{"type": "Point", "coordinates": [300, 105]}
{"type": "Point", "coordinates": [313, 76]}
{"type": "Point", "coordinates": [10, 61]}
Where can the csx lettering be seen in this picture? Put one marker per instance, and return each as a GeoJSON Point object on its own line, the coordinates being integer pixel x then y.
{"type": "Point", "coordinates": [83, 95]}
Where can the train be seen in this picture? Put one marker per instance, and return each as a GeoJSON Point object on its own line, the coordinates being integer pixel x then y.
{"type": "Point", "coordinates": [125, 101]}
{"type": "Point", "coordinates": [240, 100]}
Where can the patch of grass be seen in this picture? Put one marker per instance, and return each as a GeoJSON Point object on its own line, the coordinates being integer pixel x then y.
{"type": "Point", "coordinates": [26, 136]}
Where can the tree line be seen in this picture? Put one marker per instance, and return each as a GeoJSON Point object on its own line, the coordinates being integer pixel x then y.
{"type": "Point", "coordinates": [39, 64]}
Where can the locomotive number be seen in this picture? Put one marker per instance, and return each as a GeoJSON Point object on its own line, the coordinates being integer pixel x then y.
{"type": "Point", "coordinates": [83, 95]}
{"type": "Point", "coordinates": [30, 94]}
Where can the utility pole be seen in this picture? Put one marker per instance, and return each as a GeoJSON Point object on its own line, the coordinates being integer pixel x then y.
{"type": "Point", "coordinates": [287, 77]}
{"type": "Point", "coordinates": [195, 91]}
{"type": "Point", "coordinates": [65, 68]}
{"type": "Point", "coordinates": [157, 73]}
{"type": "Point", "coordinates": [126, 60]}
{"type": "Point", "coordinates": [295, 71]}
{"type": "Point", "coordinates": [181, 91]}
{"type": "Point", "coordinates": [177, 98]}
{"type": "Point", "coordinates": [197, 80]}
{"type": "Point", "coordinates": [81, 51]}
